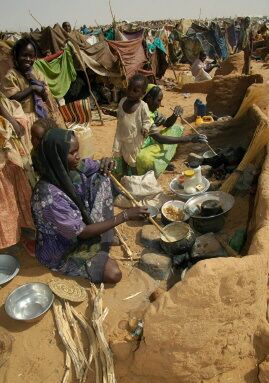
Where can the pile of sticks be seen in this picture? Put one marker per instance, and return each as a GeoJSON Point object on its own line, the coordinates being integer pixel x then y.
{"type": "Point", "coordinates": [71, 326]}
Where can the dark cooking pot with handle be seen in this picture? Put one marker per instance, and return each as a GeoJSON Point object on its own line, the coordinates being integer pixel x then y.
{"type": "Point", "coordinates": [182, 238]}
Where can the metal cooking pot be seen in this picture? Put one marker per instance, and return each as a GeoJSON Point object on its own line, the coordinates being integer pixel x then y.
{"type": "Point", "coordinates": [185, 241]}
{"type": "Point", "coordinates": [212, 223]}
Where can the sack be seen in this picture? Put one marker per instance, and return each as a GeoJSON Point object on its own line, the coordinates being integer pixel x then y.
{"type": "Point", "coordinates": [145, 189]}
{"type": "Point", "coordinates": [83, 133]}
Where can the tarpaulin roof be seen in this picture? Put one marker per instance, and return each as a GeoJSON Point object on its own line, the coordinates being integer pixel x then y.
{"type": "Point", "coordinates": [97, 57]}
{"type": "Point", "coordinates": [132, 55]}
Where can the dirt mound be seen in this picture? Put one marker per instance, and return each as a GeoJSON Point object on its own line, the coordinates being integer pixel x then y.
{"type": "Point", "coordinates": [257, 94]}
{"type": "Point", "coordinates": [228, 92]}
{"type": "Point", "coordinates": [223, 334]}
{"type": "Point", "coordinates": [233, 65]}
{"type": "Point", "coordinates": [193, 343]}
{"type": "Point", "coordinates": [198, 87]}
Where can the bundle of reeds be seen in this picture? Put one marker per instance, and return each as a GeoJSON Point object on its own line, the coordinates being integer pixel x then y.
{"type": "Point", "coordinates": [72, 326]}
{"type": "Point", "coordinates": [259, 140]}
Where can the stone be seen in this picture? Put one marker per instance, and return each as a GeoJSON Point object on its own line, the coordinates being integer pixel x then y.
{"type": "Point", "coordinates": [150, 237]}
{"type": "Point", "coordinates": [193, 157]}
{"type": "Point", "coordinates": [157, 265]}
{"type": "Point", "coordinates": [207, 244]}
{"type": "Point", "coordinates": [206, 171]}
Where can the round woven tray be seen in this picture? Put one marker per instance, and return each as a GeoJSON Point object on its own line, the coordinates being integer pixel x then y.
{"type": "Point", "coordinates": [69, 290]}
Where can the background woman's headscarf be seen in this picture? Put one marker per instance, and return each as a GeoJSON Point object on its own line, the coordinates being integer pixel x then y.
{"type": "Point", "coordinates": [53, 165]}
{"type": "Point", "coordinates": [152, 91]}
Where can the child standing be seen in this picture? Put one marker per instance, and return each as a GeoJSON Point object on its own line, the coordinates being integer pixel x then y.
{"type": "Point", "coordinates": [132, 127]}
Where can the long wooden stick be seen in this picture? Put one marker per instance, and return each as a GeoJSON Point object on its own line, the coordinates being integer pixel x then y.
{"type": "Point", "coordinates": [41, 26]}
{"type": "Point", "coordinates": [196, 131]}
{"type": "Point", "coordinates": [76, 47]}
{"type": "Point", "coordinates": [124, 244]}
{"type": "Point", "coordinates": [113, 15]}
{"type": "Point", "coordinates": [129, 195]}
{"type": "Point", "coordinates": [230, 251]}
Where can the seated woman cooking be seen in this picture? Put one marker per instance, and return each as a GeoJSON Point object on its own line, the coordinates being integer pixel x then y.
{"type": "Point", "coordinates": [160, 147]}
{"type": "Point", "coordinates": [72, 206]}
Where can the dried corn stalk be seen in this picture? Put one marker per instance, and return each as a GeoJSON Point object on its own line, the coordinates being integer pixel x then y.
{"type": "Point", "coordinates": [65, 333]}
{"type": "Point", "coordinates": [98, 318]}
{"type": "Point", "coordinates": [93, 346]}
{"type": "Point", "coordinates": [67, 368]}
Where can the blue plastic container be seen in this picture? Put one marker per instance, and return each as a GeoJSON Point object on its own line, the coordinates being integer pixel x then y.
{"type": "Point", "coordinates": [199, 108]}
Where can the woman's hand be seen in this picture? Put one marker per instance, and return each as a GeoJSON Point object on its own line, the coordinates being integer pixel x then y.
{"type": "Point", "coordinates": [109, 112]}
{"type": "Point", "coordinates": [178, 111]}
{"type": "Point", "coordinates": [40, 91]}
{"type": "Point", "coordinates": [30, 76]}
{"type": "Point", "coordinates": [198, 138]}
{"type": "Point", "coordinates": [107, 165]}
{"type": "Point", "coordinates": [106, 111]}
{"type": "Point", "coordinates": [136, 213]}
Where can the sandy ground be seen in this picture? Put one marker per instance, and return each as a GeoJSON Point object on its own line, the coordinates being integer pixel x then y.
{"type": "Point", "coordinates": [37, 355]}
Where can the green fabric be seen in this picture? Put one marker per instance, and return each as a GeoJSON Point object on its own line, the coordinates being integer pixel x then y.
{"type": "Point", "coordinates": [52, 162]}
{"type": "Point", "coordinates": [155, 156]}
{"type": "Point", "coordinates": [110, 34]}
{"type": "Point", "coordinates": [238, 240]}
{"type": "Point", "coordinates": [59, 73]}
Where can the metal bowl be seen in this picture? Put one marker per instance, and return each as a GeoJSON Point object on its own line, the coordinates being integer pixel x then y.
{"type": "Point", "coordinates": [209, 154]}
{"type": "Point", "coordinates": [29, 302]}
{"type": "Point", "coordinates": [176, 188]}
{"type": "Point", "coordinates": [212, 223]}
{"type": "Point", "coordinates": [9, 268]}
{"type": "Point", "coordinates": [178, 204]}
{"type": "Point", "coordinates": [212, 159]}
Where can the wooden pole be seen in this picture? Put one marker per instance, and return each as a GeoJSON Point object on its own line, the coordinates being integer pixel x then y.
{"type": "Point", "coordinates": [88, 82]}
{"type": "Point", "coordinates": [41, 26]}
{"type": "Point", "coordinates": [196, 131]}
{"type": "Point", "coordinates": [129, 195]}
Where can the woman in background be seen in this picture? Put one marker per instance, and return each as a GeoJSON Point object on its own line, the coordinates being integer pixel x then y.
{"type": "Point", "coordinates": [161, 145]}
{"type": "Point", "coordinates": [15, 190]}
{"type": "Point", "coordinates": [28, 86]}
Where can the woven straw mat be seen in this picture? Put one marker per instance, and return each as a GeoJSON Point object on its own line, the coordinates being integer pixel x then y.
{"type": "Point", "coordinates": [69, 290]}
